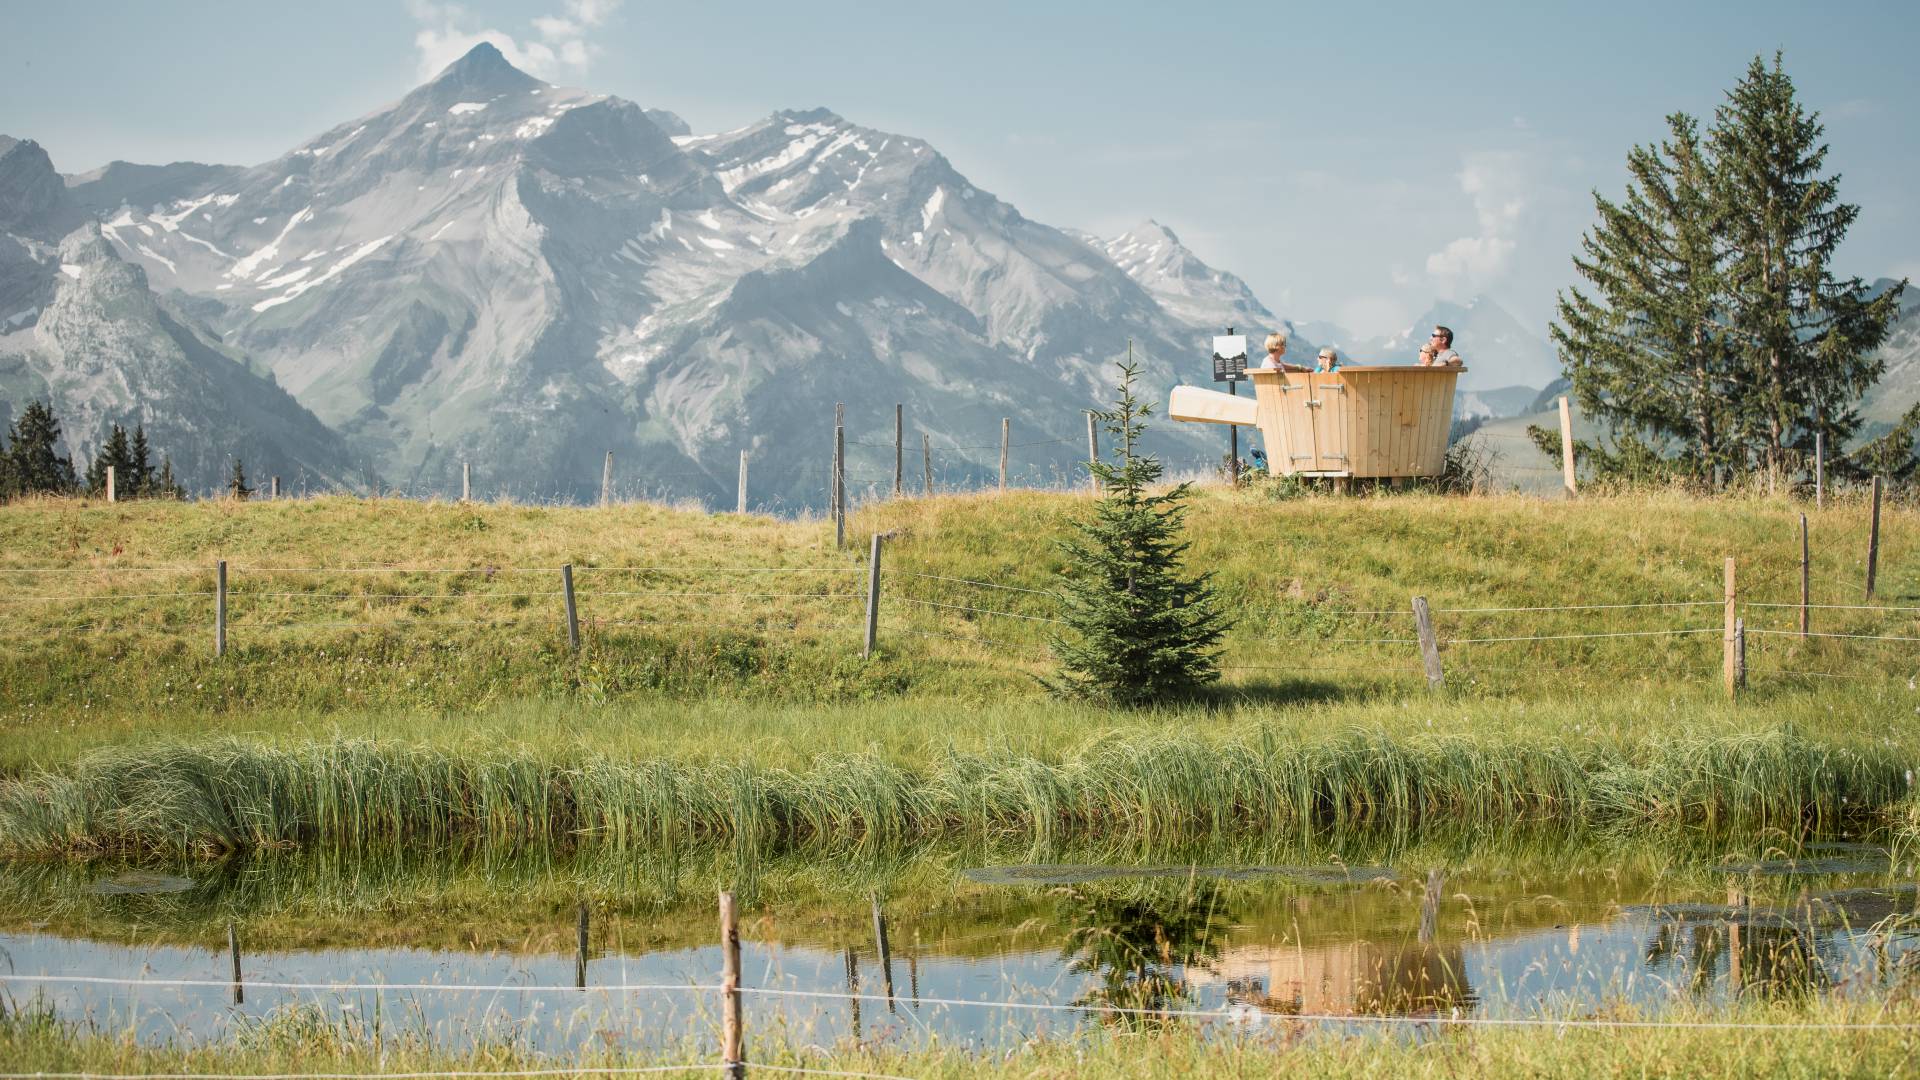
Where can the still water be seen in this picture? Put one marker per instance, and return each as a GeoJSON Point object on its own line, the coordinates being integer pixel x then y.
{"type": "Point", "coordinates": [1258, 944]}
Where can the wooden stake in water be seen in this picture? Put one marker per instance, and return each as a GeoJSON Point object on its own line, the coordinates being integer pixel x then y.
{"type": "Point", "coordinates": [233, 951]}
{"type": "Point", "coordinates": [1566, 445]}
{"type": "Point", "coordinates": [111, 493]}
{"type": "Point", "coordinates": [220, 609]}
{"type": "Point", "coordinates": [732, 1037]}
{"type": "Point", "coordinates": [740, 506]}
{"type": "Point", "coordinates": [606, 481]}
{"type": "Point", "coordinates": [573, 613]}
{"type": "Point", "coordinates": [1873, 539]}
{"type": "Point", "coordinates": [580, 949]}
{"type": "Point", "coordinates": [1727, 663]}
{"type": "Point", "coordinates": [899, 456]}
{"type": "Point", "coordinates": [873, 598]}
{"type": "Point", "coordinates": [1429, 643]}
{"type": "Point", "coordinates": [880, 944]}
{"type": "Point", "coordinates": [1006, 431]}
{"type": "Point", "coordinates": [853, 991]}
{"type": "Point", "coordinates": [1806, 578]}
{"type": "Point", "coordinates": [1430, 906]}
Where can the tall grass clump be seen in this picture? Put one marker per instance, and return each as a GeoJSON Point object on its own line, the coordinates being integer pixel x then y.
{"type": "Point", "coordinates": [222, 796]}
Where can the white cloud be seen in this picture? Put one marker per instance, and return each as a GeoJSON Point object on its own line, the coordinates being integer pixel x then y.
{"type": "Point", "coordinates": [557, 46]}
{"type": "Point", "coordinates": [1498, 183]}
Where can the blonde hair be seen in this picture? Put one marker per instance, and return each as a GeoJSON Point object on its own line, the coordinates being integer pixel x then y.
{"type": "Point", "coordinates": [1278, 337]}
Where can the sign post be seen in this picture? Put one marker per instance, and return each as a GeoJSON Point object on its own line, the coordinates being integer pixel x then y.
{"type": "Point", "coordinates": [1230, 366]}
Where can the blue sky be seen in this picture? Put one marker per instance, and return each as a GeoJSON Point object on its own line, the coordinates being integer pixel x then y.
{"type": "Point", "coordinates": [1353, 162]}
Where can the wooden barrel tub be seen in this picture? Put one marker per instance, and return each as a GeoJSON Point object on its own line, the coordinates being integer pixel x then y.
{"type": "Point", "coordinates": [1359, 421]}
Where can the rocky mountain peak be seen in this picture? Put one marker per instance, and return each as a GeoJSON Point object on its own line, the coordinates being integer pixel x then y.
{"type": "Point", "coordinates": [31, 191]}
{"type": "Point", "coordinates": [483, 72]}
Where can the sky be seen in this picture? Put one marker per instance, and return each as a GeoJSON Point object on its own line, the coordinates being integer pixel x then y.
{"type": "Point", "coordinates": [1353, 162]}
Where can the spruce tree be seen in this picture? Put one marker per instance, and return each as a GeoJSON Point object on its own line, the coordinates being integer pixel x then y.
{"type": "Point", "coordinates": [36, 467]}
{"type": "Point", "coordinates": [1645, 350]}
{"type": "Point", "coordinates": [140, 464]}
{"type": "Point", "coordinates": [1139, 631]}
{"type": "Point", "coordinates": [117, 455]}
{"type": "Point", "coordinates": [1804, 340]}
{"type": "Point", "coordinates": [165, 486]}
{"type": "Point", "coordinates": [237, 483]}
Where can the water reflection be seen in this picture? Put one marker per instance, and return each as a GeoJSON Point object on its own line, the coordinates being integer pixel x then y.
{"type": "Point", "coordinates": [1496, 936]}
{"type": "Point", "coordinates": [1138, 946]}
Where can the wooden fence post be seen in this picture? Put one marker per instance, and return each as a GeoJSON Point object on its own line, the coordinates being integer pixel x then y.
{"type": "Point", "coordinates": [740, 506]}
{"type": "Point", "coordinates": [273, 488]}
{"type": "Point", "coordinates": [466, 481]}
{"type": "Point", "coordinates": [899, 456]}
{"type": "Point", "coordinates": [233, 951]}
{"type": "Point", "coordinates": [1819, 470]}
{"type": "Point", "coordinates": [926, 462]}
{"type": "Point", "coordinates": [1429, 644]}
{"type": "Point", "coordinates": [732, 1038]}
{"type": "Point", "coordinates": [112, 495]}
{"type": "Point", "coordinates": [1727, 671]}
{"type": "Point", "coordinates": [1806, 579]}
{"type": "Point", "coordinates": [220, 609]}
{"type": "Point", "coordinates": [1006, 429]}
{"type": "Point", "coordinates": [839, 485]}
{"type": "Point", "coordinates": [873, 598]}
{"type": "Point", "coordinates": [580, 949]}
{"type": "Point", "coordinates": [606, 481]}
{"type": "Point", "coordinates": [573, 613]}
{"type": "Point", "coordinates": [1873, 539]}
{"type": "Point", "coordinates": [1093, 452]}
{"type": "Point", "coordinates": [1566, 446]}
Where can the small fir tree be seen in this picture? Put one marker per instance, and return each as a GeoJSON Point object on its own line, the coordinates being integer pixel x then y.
{"type": "Point", "coordinates": [1139, 631]}
{"type": "Point", "coordinates": [237, 483]}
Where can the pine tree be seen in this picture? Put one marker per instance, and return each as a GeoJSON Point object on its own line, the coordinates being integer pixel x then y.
{"type": "Point", "coordinates": [140, 464]}
{"type": "Point", "coordinates": [165, 486]}
{"type": "Point", "coordinates": [1804, 340]}
{"type": "Point", "coordinates": [1646, 351]}
{"type": "Point", "coordinates": [117, 455]}
{"type": "Point", "coordinates": [237, 483]}
{"type": "Point", "coordinates": [36, 468]}
{"type": "Point", "coordinates": [1139, 632]}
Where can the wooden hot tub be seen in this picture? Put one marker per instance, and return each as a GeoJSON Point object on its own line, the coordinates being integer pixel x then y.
{"type": "Point", "coordinates": [1359, 421]}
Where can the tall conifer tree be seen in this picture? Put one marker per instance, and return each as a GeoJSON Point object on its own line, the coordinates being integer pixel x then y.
{"type": "Point", "coordinates": [36, 466]}
{"type": "Point", "coordinates": [140, 462]}
{"type": "Point", "coordinates": [1645, 349]}
{"type": "Point", "coordinates": [1805, 340]}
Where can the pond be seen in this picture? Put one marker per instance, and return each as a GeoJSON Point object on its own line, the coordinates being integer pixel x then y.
{"type": "Point", "coordinates": [483, 949]}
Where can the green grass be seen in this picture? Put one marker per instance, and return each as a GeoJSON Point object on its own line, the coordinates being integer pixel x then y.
{"type": "Point", "coordinates": [296, 1041]}
{"type": "Point", "coordinates": [446, 706]}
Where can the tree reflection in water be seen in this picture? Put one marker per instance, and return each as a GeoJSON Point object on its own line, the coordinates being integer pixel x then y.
{"type": "Point", "coordinates": [1139, 941]}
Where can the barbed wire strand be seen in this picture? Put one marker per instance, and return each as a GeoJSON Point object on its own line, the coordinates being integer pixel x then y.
{"type": "Point", "coordinates": [1340, 1018]}
{"type": "Point", "coordinates": [979, 611]}
{"type": "Point", "coordinates": [971, 581]}
{"type": "Point", "coordinates": [252, 984]}
{"type": "Point", "coordinates": [1572, 637]}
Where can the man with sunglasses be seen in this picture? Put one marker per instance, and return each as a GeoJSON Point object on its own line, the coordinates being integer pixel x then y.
{"type": "Point", "coordinates": [1438, 351]}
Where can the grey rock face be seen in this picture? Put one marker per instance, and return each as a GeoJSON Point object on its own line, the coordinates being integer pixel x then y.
{"type": "Point", "coordinates": [497, 270]}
